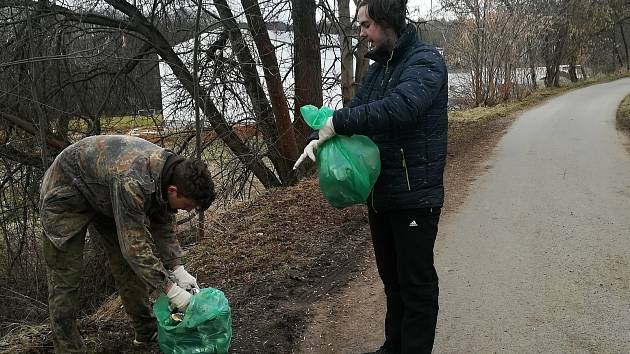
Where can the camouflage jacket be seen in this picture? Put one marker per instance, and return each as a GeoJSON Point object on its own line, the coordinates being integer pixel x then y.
{"type": "Point", "coordinates": [120, 177]}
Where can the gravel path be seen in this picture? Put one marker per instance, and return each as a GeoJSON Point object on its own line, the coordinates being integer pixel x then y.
{"type": "Point", "coordinates": [537, 259]}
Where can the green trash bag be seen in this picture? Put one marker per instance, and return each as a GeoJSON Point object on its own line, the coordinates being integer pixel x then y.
{"type": "Point", "coordinates": [206, 326]}
{"type": "Point", "coordinates": [347, 167]}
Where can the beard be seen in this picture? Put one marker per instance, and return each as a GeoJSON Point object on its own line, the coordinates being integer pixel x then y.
{"type": "Point", "coordinates": [386, 45]}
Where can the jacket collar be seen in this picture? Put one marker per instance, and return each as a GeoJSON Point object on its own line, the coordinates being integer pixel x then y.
{"type": "Point", "coordinates": [171, 159]}
{"type": "Point", "coordinates": [408, 37]}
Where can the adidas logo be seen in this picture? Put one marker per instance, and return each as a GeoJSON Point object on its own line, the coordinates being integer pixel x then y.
{"type": "Point", "coordinates": [413, 223]}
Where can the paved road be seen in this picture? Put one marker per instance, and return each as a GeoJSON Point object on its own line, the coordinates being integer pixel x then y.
{"type": "Point", "coordinates": [537, 260]}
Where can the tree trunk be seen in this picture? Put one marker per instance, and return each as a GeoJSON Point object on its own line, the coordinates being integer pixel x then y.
{"type": "Point", "coordinates": [489, 99]}
{"type": "Point", "coordinates": [549, 75]}
{"type": "Point", "coordinates": [29, 128]}
{"type": "Point", "coordinates": [532, 65]}
{"type": "Point", "coordinates": [36, 83]}
{"type": "Point", "coordinates": [532, 70]}
{"type": "Point", "coordinates": [552, 76]}
{"type": "Point", "coordinates": [507, 83]}
{"type": "Point", "coordinates": [286, 141]}
{"type": "Point", "coordinates": [625, 44]}
{"type": "Point", "coordinates": [198, 124]}
{"type": "Point", "coordinates": [362, 64]}
{"type": "Point", "coordinates": [477, 74]}
{"type": "Point", "coordinates": [555, 54]}
{"type": "Point", "coordinates": [345, 41]}
{"type": "Point", "coordinates": [255, 91]}
{"type": "Point", "coordinates": [616, 56]}
{"type": "Point", "coordinates": [141, 25]}
{"type": "Point", "coordinates": [307, 64]}
{"type": "Point", "coordinates": [583, 72]}
{"type": "Point", "coordinates": [573, 72]}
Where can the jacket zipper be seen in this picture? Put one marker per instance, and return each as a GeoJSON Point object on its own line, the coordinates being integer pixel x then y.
{"type": "Point", "coordinates": [382, 83]}
{"type": "Point", "coordinates": [404, 164]}
{"type": "Point", "coordinates": [386, 68]}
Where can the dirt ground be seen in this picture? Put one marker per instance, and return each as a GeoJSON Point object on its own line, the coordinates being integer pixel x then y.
{"type": "Point", "coordinates": [285, 262]}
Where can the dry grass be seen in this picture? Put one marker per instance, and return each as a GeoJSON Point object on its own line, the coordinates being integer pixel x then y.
{"type": "Point", "coordinates": [623, 115]}
{"type": "Point", "coordinates": [27, 338]}
{"type": "Point", "coordinates": [536, 97]}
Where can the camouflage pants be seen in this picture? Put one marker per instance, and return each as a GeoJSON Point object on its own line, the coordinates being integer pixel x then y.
{"type": "Point", "coordinates": [73, 216]}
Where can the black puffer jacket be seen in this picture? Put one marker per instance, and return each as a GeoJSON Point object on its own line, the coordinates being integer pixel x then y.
{"type": "Point", "coordinates": [402, 105]}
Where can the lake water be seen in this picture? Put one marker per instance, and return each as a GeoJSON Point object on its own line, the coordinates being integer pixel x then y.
{"type": "Point", "coordinates": [178, 107]}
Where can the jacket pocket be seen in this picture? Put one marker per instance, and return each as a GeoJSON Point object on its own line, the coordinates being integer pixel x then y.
{"type": "Point", "coordinates": [62, 198]}
{"type": "Point", "coordinates": [64, 213]}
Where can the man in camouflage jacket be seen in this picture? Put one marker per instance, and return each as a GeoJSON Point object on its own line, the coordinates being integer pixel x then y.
{"type": "Point", "coordinates": [127, 191]}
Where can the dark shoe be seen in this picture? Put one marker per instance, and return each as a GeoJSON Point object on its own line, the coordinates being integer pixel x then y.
{"type": "Point", "coordinates": [144, 340]}
{"type": "Point", "coordinates": [381, 350]}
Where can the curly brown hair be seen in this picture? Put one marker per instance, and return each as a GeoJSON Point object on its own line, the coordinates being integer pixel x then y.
{"type": "Point", "coordinates": [192, 179]}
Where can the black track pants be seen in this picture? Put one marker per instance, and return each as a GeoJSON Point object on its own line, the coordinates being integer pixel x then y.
{"type": "Point", "coordinates": [403, 245]}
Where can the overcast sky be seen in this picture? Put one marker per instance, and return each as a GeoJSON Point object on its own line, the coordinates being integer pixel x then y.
{"type": "Point", "coordinates": [424, 6]}
{"type": "Point", "coordinates": [416, 7]}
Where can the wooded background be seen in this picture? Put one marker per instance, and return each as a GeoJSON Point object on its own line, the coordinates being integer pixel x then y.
{"type": "Point", "coordinates": [70, 69]}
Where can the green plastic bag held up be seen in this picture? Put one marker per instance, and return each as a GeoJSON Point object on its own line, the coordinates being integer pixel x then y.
{"type": "Point", "coordinates": [347, 167]}
{"type": "Point", "coordinates": [205, 328]}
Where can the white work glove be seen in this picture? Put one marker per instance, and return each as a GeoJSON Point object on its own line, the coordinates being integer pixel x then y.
{"type": "Point", "coordinates": [178, 297]}
{"type": "Point", "coordinates": [326, 132]}
{"type": "Point", "coordinates": [309, 150]}
{"type": "Point", "coordinates": [184, 279]}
